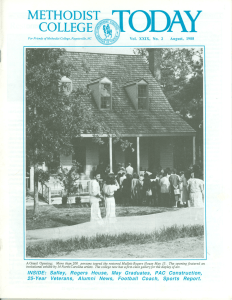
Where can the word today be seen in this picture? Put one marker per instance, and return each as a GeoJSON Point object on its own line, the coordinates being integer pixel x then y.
{"type": "Point", "coordinates": [149, 19]}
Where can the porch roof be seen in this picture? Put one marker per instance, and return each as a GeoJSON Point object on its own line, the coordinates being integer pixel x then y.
{"type": "Point", "coordinates": [120, 69]}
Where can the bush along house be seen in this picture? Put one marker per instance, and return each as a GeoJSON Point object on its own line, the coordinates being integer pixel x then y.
{"type": "Point", "coordinates": [126, 93]}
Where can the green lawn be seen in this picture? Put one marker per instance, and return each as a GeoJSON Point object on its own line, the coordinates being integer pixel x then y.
{"type": "Point", "coordinates": [64, 215]}
{"type": "Point", "coordinates": [103, 241]}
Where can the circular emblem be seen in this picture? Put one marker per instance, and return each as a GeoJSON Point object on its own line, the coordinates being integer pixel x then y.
{"type": "Point", "coordinates": [107, 32]}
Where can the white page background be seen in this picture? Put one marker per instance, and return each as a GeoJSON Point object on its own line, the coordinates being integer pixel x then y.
{"type": "Point", "coordinates": [214, 31]}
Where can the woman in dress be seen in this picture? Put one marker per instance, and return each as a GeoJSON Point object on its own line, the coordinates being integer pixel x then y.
{"type": "Point", "coordinates": [126, 189]}
{"type": "Point", "coordinates": [109, 188]}
{"type": "Point", "coordinates": [164, 191]}
{"type": "Point", "coordinates": [196, 191]}
{"type": "Point", "coordinates": [141, 178]}
{"type": "Point", "coordinates": [117, 194]}
{"type": "Point", "coordinates": [155, 187]}
{"type": "Point", "coordinates": [174, 180]}
{"type": "Point", "coordinates": [184, 188]}
{"type": "Point", "coordinates": [147, 193]}
{"type": "Point", "coordinates": [95, 197]}
{"type": "Point", "coordinates": [135, 189]}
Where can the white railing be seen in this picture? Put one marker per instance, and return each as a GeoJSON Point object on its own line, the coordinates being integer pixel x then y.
{"type": "Point", "coordinates": [83, 186]}
{"type": "Point", "coordinates": [45, 192]}
{"type": "Point", "coordinates": [54, 188]}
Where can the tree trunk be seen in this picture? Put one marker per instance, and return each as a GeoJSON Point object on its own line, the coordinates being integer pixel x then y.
{"type": "Point", "coordinates": [64, 197]}
{"type": "Point", "coordinates": [36, 194]}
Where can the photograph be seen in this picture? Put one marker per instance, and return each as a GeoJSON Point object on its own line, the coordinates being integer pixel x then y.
{"type": "Point", "coordinates": [114, 153]}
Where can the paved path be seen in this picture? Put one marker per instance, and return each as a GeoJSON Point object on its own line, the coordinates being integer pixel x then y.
{"type": "Point", "coordinates": [136, 224]}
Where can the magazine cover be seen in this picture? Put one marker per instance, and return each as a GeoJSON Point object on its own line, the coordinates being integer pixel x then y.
{"type": "Point", "coordinates": [116, 150]}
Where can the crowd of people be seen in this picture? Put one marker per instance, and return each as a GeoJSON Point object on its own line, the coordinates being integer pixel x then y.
{"type": "Point", "coordinates": [166, 188]}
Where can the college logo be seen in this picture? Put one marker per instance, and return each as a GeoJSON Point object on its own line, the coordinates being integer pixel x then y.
{"type": "Point", "coordinates": [107, 32]}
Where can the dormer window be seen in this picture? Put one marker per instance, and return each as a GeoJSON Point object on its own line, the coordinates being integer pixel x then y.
{"type": "Point", "coordinates": [142, 96]}
{"type": "Point", "coordinates": [138, 94]}
{"type": "Point", "coordinates": [102, 92]}
{"type": "Point", "coordinates": [66, 84]}
{"type": "Point", "coordinates": [105, 95]}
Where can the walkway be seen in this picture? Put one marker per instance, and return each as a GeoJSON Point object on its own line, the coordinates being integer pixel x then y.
{"type": "Point", "coordinates": [136, 224]}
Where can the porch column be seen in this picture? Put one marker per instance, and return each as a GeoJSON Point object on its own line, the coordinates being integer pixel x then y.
{"type": "Point", "coordinates": [138, 156]}
{"type": "Point", "coordinates": [194, 150]}
{"type": "Point", "coordinates": [111, 156]}
{"type": "Point", "coordinates": [32, 179]}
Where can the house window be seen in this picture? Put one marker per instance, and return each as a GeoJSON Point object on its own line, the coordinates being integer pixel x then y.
{"type": "Point", "coordinates": [66, 84]}
{"type": "Point", "coordinates": [101, 90]}
{"type": "Point", "coordinates": [67, 87]}
{"type": "Point", "coordinates": [105, 95]}
{"type": "Point", "coordinates": [142, 96]}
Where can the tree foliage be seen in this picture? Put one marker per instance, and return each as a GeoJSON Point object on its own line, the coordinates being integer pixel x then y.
{"type": "Point", "coordinates": [69, 177]}
{"type": "Point", "coordinates": [53, 118]}
{"type": "Point", "coordinates": [182, 81]}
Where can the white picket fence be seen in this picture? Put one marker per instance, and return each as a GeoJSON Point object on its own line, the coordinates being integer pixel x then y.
{"type": "Point", "coordinates": [45, 192]}
{"type": "Point", "coordinates": [53, 189]}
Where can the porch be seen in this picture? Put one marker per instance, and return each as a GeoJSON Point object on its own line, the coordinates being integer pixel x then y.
{"type": "Point", "coordinates": [147, 153]}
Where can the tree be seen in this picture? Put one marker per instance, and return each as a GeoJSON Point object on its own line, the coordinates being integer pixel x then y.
{"type": "Point", "coordinates": [53, 117]}
{"type": "Point", "coordinates": [182, 83]}
{"type": "Point", "coordinates": [68, 179]}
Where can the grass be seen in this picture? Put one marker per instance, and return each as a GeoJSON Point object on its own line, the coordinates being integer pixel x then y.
{"type": "Point", "coordinates": [58, 215]}
{"type": "Point", "coordinates": [102, 241]}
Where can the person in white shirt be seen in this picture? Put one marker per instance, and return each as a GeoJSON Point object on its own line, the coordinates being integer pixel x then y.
{"type": "Point", "coordinates": [95, 197]}
{"type": "Point", "coordinates": [121, 179]}
{"type": "Point", "coordinates": [109, 188]}
{"type": "Point", "coordinates": [164, 191]}
{"type": "Point", "coordinates": [130, 170]}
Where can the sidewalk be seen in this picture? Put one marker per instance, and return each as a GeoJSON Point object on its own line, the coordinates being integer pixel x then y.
{"type": "Point", "coordinates": [136, 224]}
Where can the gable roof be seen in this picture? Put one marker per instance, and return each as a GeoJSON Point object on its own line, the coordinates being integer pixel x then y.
{"type": "Point", "coordinates": [120, 69]}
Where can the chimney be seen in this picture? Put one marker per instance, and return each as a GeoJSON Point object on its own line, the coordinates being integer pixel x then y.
{"type": "Point", "coordinates": [154, 62]}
